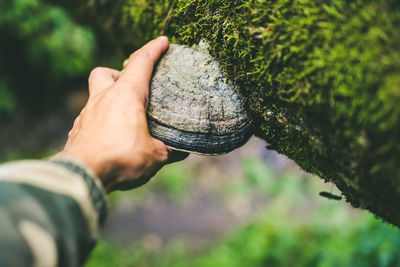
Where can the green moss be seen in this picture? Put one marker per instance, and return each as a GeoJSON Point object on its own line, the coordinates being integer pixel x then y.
{"type": "Point", "coordinates": [321, 80]}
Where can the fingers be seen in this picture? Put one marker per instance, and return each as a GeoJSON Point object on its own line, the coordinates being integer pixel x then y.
{"type": "Point", "coordinates": [139, 69]}
{"type": "Point", "coordinates": [170, 155]}
{"type": "Point", "coordinates": [100, 79]}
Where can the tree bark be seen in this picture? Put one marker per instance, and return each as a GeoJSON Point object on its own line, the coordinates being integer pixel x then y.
{"type": "Point", "coordinates": [321, 77]}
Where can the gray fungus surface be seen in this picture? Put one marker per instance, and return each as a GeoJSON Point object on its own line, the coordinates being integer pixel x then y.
{"type": "Point", "coordinates": [192, 106]}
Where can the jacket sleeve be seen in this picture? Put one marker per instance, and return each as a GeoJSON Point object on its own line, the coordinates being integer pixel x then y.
{"type": "Point", "coordinates": [50, 213]}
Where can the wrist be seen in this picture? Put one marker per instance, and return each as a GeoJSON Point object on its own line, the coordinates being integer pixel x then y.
{"type": "Point", "coordinates": [90, 161]}
{"type": "Point", "coordinates": [96, 190]}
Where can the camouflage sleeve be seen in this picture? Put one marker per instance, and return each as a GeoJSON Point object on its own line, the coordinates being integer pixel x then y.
{"type": "Point", "coordinates": [50, 213]}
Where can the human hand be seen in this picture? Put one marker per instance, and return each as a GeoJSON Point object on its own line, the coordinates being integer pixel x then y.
{"type": "Point", "coordinates": [110, 134]}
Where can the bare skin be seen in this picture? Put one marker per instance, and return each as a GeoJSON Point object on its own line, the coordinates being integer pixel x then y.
{"type": "Point", "coordinates": [110, 135]}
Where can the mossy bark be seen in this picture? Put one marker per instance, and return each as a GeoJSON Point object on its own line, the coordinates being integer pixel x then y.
{"type": "Point", "coordinates": [321, 77]}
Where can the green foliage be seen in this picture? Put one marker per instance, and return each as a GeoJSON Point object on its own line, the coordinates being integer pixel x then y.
{"type": "Point", "coordinates": [43, 53]}
{"type": "Point", "coordinates": [7, 101]}
{"type": "Point", "coordinates": [175, 180]}
{"type": "Point", "coordinates": [272, 242]}
{"type": "Point", "coordinates": [137, 15]}
{"type": "Point", "coordinates": [126, 24]}
{"type": "Point", "coordinates": [296, 228]}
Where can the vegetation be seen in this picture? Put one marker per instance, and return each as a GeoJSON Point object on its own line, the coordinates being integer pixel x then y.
{"type": "Point", "coordinates": [44, 54]}
{"type": "Point", "coordinates": [320, 78]}
{"type": "Point", "coordinates": [321, 82]}
{"type": "Point", "coordinates": [269, 242]}
{"type": "Point", "coordinates": [295, 228]}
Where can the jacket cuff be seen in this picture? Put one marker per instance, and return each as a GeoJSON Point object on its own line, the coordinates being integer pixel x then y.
{"type": "Point", "coordinates": [96, 189]}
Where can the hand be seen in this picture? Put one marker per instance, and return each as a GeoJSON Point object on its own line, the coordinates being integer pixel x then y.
{"type": "Point", "coordinates": [110, 135]}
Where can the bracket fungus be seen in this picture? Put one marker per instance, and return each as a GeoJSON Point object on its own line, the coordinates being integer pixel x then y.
{"type": "Point", "coordinates": [192, 107]}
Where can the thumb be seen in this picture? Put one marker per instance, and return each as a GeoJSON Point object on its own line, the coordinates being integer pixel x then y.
{"type": "Point", "coordinates": [139, 68]}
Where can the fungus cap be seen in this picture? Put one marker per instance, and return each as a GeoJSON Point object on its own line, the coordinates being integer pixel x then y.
{"type": "Point", "coordinates": [192, 107]}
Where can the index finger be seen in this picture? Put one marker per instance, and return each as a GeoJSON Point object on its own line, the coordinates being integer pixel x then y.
{"type": "Point", "coordinates": [141, 63]}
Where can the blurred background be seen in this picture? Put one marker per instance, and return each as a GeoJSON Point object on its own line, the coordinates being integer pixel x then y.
{"type": "Point", "coordinates": [252, 207]}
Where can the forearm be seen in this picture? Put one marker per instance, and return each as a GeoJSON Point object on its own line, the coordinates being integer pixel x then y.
{"type": "Point", "coordinates": [50, 213]}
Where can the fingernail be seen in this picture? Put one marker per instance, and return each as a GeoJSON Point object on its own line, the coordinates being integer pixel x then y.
{"type": "Point", "coordinates": [126, 61]}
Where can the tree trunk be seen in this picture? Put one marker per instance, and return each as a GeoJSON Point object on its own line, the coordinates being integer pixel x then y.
{"type": "Point", "coordinates": [321, 77]}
